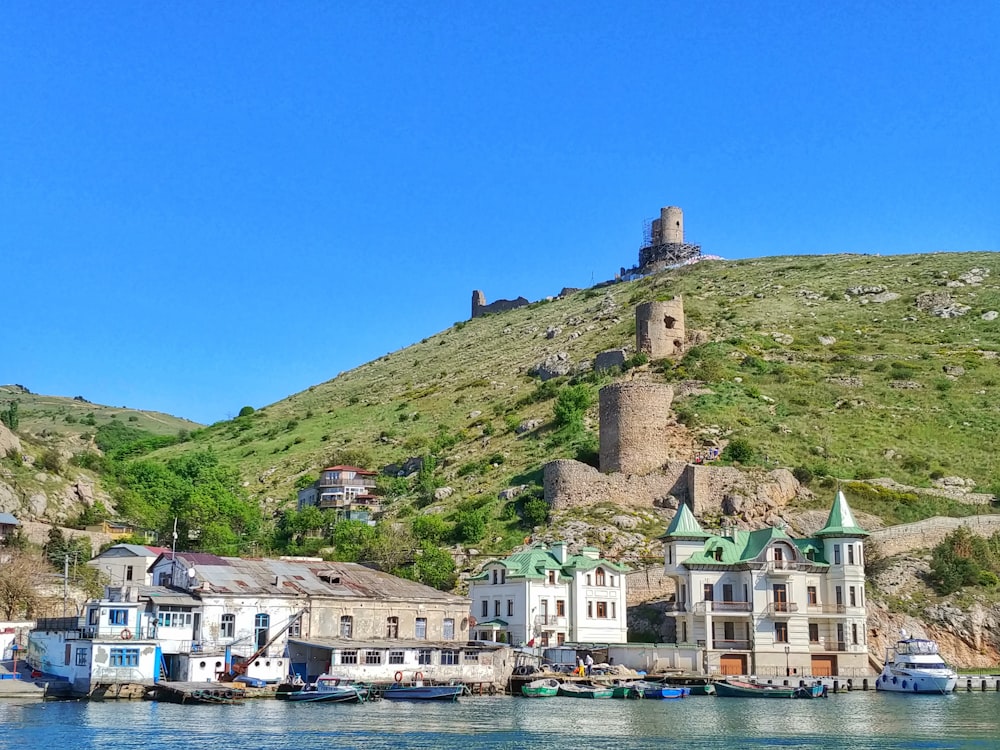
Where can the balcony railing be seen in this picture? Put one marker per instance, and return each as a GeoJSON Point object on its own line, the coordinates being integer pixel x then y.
{"type": "Point", "coordinates": [827, 644]}
{"type": "Point", "coordinates": [675, 607]}
{"type": "Point", "coordinates": [782, 608]}
{"type": "Point", "coordinates": [558, 621]}
{"type": "Point", "coordinates": [827, 609]}
{"type": "Point", "coordinates": [730, 645]}
{"type": "Point", "coordinates": [712, 606]}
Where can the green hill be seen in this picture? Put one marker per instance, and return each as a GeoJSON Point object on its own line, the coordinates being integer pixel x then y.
{"type": "Point", "coordinates": [822, 362]}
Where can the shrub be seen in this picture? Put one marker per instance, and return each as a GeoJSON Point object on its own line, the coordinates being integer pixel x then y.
{"type": "Point", "coordinates": [739, 450]}
{"type": "Point", "coordinates": [803, 474]}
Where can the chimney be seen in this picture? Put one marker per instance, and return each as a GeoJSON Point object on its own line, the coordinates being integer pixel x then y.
{"type": "Point", "coordinates": [558, 551]}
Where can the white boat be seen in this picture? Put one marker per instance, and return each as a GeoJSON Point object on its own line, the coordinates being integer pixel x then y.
{"type": "Point", "coordinates": [914, 665]}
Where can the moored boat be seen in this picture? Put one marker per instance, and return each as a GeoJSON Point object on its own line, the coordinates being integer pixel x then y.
{"type": "Point", "coordinates": [664, 692]}
{"type": "Point", "coordinates": [419, 692]}
{"type": "Point", "coordinates": [914, 665]}
{"type": "Point", "coordinates": [327, 689]}
{"type": "Point", "coordinates": [740, 689]}
{"type": "Point", "coordinates": [545, 688]}
{"type": "Point", "coordinates": [584, 690]}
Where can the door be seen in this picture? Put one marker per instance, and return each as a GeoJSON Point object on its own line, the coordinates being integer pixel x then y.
{"type": "Point", "coordinates": [824, 666]}
{"type": "Point", "coordinates": [732, 664]}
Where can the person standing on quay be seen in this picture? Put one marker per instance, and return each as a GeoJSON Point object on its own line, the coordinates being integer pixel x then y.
{"type": "Point", "coordinates": [589, 663]}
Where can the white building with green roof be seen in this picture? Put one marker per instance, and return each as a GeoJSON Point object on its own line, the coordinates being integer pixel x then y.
{"type": "Point", "coordinates": [760, 602]}
{"type": "Point", "coordinates": [544, 596]}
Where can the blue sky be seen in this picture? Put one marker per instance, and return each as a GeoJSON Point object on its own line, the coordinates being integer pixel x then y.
{"type": "Point", "coordinates": [207, 205]}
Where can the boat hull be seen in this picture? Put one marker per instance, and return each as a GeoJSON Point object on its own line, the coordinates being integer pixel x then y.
{"type": "Point", "coordinates": [423, 692]}
{"type": "Point", "coordinates": [750, 690]}
{"type": "Point", "coordinates": [584, 691]}
{"type": "Point", "coordinates": [540, 689]}
{"type": "Point", "coordinates": [914, 682]}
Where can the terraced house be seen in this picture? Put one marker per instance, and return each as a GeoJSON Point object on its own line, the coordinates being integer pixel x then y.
{"type": "Point", "coordinates": [760, 602]}
{"type": "Point", "coordinates": [543, 596]}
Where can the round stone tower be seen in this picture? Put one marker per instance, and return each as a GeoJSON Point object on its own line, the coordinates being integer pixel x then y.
{"type": "Point", "coordinates": [659, 328]}
{"type": "Point", "coordinates": [671, 226]}
{"type": "Point", "coordinates": [634, 419]}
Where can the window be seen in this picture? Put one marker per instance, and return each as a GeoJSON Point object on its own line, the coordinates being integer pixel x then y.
{"type": "Point", "coordinates": [853, 594]}
{"type": "Point", "coordinates": [346, 626]}
{"type": "Point", "coordinates": [670, 554]}
{"type": "Point", "coordinates": [82, 657]}
{"type": "Point", "coordinates": [599, 577]}
{"type": "Point", "coordinates": [602, 609]}
{"type": "Point", "coordinates": [840, 635]}
{"type": "Point", "coordinates": [510, 608]}
{"type": "Point", "coordinates": [448, 629]}
{"type": "Point", "coordinates": [560, 607]}
{"type": "Point", "coordinates": [503, 576]}
{"type": "Point", "coordinates": [813, 632]}
{"type": "Point", "coordinates": [395, 657]}
{"type": "Point", "coordinates": [588, 579]}
{"type": "Point", "coordinates": [781, 632]}
{"type": "Point", "coordinates": [496, 576]}
{"type": "Point", "coordinates": [611, 580]}
{"type": "Point", "coordinates": [496, 607]}
{"type": "Point", "coordinates": [420, 628]}
{"type": "Point", "coordinates": [727, 592]}
{"type": "Point", "coordinates": [811, 595]}
{"type": "Point", "coordinates": [227, 627]}
{"type": "Point", "coordinates": [449, 656]}
{"type": "Point", "coordinates": [729, 631]}
{"type": "Point", "coordinates": [854, 633]}
{"type": "Point", "coordinates": [392, 627]}
{"type": "Point", "coordinates": [295, 628]}
{"type": "Point", "coordinates": [373, 657]}
{"type": "Point", "coordinates": [117, 617]}
{"type": "Point", "coordinates": [836, 554]}
{"type": "Point", "coordinates": [708, 592]}
{"type": "Point", "coordinates": [173, 617]}
{"type": "Point", "coordinates": [779, 554]}
{"type": "Point", "coordinates": [261, 625]}
{"type": "Point", "coordinates": [124, 657]}
{"type": "Point", "coordinates": [840, 596]}
{"type": "Point", "coordinates": [128, 573]}
{"type": "Point", "coordinates": [613, 615]}
{"type": "Point", "coordinates": [552, 578]}
{"type": "Point", "coordinates": [717, 554]}
{"type": "Point", "coordinates": [472, 656]}
{"type": "Point", "coordinates": [850, 554]}
{"type": "Point", "coordinates": [486, 608]}
{"type": "Point", "coordinates": [590, 609]}
{"type": "Point", "coordinates": [95, 615]}
{"type": "Point", "coordinates": [424, 656]}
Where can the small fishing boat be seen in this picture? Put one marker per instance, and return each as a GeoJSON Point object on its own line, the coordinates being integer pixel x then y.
{"type": "Point", "coordinates": [540, 688]}
{"type": "Point", "coordinates": [739, 689]}
{"type": "Point", "coordinates": [327, 689]}
{"type": "Point", "coordinates": [584, 690]}
{"type": "Point", "coordinates": [914, 665]}
{"type": "Point", "coordinates": [664, 692]}
{"type": "Point", "coordinates": [631, 689]}
{"type": "Point", "coordinates": [420, 692]}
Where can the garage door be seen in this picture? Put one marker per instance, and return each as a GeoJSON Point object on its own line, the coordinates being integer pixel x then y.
{"type": "Point", "coordinates": [733, 664]}
{"type": "Point", "coordinates": [824, 666]}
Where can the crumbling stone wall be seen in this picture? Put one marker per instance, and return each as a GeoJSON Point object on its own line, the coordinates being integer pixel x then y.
{"type": "Point", "coordinates": [572, 484]}
{"type": "Point", "coordinates": [479, 306]}
{"type": "Point", "coordinates": [659, 328]}
{"type": "Point", "coordinates": [634, 430]}
{"type": "Point", "coordinates": [930, 532]}
{"type": "Point", "coordinates": [648, 584]}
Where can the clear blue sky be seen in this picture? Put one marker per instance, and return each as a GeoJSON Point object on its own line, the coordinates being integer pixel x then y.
{"type": "Point", "coordinates": [207, 205]}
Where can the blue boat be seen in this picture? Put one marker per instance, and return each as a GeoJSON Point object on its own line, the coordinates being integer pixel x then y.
{"type": "Point", "coordinates": [664, 692]}
{"type": "Point", "coordinates": [418, 692]}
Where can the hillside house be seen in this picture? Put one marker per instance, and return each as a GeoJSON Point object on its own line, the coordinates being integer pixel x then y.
{"type": "Point", "coordinates": [544, 596]}
{"type": "Point", "coordinates": [127, 564]}
{"type": "Point", "coordinates": [761, 602]}
{"type": "Point", "coordinates": [8, 526]}
{"type": "Point", "coordinates": [348, 491]}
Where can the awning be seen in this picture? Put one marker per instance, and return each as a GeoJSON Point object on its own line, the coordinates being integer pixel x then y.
{"type": "Point", "coordinates": [495, 623]}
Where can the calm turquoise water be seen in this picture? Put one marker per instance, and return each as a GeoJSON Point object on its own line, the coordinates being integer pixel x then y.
{"type": "Point", "coordinates": [852, 720]}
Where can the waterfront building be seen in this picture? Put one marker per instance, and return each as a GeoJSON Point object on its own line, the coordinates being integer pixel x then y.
{"type": "Point", "coordinates": [347, 491]}
{"type": "Point", "coordinates": [761, 602]}
{"type": "Point", "coordinates": [126, 564]}
{"type": "Point", "coordinates": [543, 596]}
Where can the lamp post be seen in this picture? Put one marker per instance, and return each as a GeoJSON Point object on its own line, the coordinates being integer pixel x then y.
{"type": "Point", "coordinates": [787, 670]}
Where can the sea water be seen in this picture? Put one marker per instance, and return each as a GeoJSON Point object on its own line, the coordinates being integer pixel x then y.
{"type": "Point", "coordinates": [878, 721]}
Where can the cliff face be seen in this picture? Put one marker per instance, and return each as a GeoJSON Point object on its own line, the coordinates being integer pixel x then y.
{"type": "Point", "coordinates": [967, 638]}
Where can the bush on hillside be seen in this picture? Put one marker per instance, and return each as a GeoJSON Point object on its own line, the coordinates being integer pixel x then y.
{"type": "Point", "coordinates": [964, 559]}
{"type": "Point", "coordinates": [739, 450]}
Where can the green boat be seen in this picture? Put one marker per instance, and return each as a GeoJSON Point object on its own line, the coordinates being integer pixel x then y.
{"type": "Point", "coordinates": [737, 689]}
{"type": "Point", "coordinates": [540, 688]}
{"type": "Point", "coordinates": [584, 690]}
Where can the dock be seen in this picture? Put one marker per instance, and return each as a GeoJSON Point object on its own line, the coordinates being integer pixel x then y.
{"type": "Point", "coordinates": [195, 692]}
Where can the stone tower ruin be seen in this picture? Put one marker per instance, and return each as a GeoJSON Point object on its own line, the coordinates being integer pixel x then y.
{"type": "Point", "coordinates": [669, 228]}
{"type": "Point", "coordinates": [663, 242]}
{"type": "Point", "coordinates": [634, 419]}
{"type": "Point", "coordinates": [659, 328]}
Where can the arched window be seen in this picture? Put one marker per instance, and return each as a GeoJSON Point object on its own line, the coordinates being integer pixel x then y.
{"type": "Point", "coordinates": [261, 626]}
{"type": "Point", "coordinates": [599, 577]}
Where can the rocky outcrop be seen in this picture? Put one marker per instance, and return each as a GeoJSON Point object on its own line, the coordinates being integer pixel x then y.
{"type": "Point", "coordinates": [10, 445]}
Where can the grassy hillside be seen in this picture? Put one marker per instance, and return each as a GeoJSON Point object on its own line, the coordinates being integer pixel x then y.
{"type": "Point", "coordinates": [59, 416]}
{"type": "Point", "coordinates": [804, 366]}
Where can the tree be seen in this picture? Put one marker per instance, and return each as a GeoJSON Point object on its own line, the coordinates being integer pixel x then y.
{"type": "Point", "coordinates": [429, 528]}
{"type": "Point", "coordinates": [470, 527]}
{"type": "Point", "coordinates": [10, 417]}
{"type": "Point", "coordinates": [535, 512]}
{"type": "Point", "coordinates": [435, 567]}
{"type": "Point", "coordinates": [739, 450]}
{"type": "Point", "coordinates": [960, 560]}
{"type": "Point", "coordinates": [22, 575]}
{"type": "Point", "coordinates": [246, 411]}
{"type": "Point", "coordinates": [570, 407]}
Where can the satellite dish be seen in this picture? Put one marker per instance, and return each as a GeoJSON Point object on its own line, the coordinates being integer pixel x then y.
{"type": "Point", "coordinates": [191, 573]}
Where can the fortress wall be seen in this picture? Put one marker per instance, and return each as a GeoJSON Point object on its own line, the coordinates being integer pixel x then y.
{"type": "Point", "coordinates": [572, 484]}
{"type": "Point", "coordinates": [480, 308]}
{"type": "Point", "coordinates": [907, 537]}
{"type": "Point", "coordinates": [634, 434]}
{"type": "Point", "coordinates": [648, 584]}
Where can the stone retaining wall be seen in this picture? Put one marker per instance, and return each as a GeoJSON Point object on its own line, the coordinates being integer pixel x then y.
{"type": "Point", "coordinates": [906, 537]}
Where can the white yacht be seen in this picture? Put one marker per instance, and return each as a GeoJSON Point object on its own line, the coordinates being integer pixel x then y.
{"type": "Point", "coordinates": [914, 665]}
